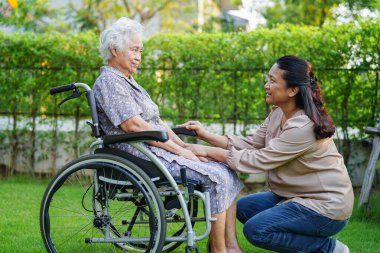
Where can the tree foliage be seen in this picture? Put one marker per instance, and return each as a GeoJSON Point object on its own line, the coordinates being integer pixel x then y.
{"type": "Point", "coordinates": [167, 15]}
{"type": "Point", "coordinates": [40, 16]}
{"type": "Point", "coordinates": [30, 15]}
{"type": "Point", "coordinates": [96, 13]}
{"type": "Point", "coordinates": [310, 12]}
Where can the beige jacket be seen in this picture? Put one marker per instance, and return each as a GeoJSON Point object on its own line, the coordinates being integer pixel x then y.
{"type": "Point", "coordinates": [299, 167]}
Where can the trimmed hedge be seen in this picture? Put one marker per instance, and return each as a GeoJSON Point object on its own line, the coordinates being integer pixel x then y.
{"type": "Point", "coordinates": [217, 76]}
{"type": "Point", "coordinates": [211, 77]}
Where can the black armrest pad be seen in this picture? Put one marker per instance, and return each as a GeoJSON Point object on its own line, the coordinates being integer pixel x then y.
{"type": "Point", "coordinates": [184, 131]}
{"type": "Point", "coordinates": [138, 136]}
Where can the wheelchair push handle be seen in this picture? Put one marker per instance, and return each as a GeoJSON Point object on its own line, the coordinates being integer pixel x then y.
{"type": "Point", "coordinates": [62, 88]}
{"type": "Point", "coordinates": [74, 87]}
{"type": "Point", "coordinates": [68, 87]}
{"type": "Point", "coordinates": [75, 93]}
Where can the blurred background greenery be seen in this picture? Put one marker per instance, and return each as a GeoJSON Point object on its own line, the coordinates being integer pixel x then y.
{"type": "Point", "coordinates": [188, 16]}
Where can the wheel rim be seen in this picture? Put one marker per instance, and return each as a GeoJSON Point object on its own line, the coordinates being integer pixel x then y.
{"type": "Point", "coordinates": [68, 214]}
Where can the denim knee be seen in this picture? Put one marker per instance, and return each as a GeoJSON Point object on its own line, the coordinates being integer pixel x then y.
{"type": "Point", "coordinates": [241, 208]}
{"type": "Point", "coordinates": [253, 233]}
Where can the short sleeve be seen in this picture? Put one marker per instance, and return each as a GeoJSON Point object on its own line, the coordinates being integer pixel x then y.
{"type": "Point", "coordinates": [115, 99]}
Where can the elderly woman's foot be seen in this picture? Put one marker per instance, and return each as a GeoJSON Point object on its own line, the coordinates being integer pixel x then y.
{"type": "Point", "coordinates": [234, 250]}
{"type": "Point", "coordinates": [340, 248]}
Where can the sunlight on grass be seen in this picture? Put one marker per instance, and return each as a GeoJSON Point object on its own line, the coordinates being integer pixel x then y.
{"type": "Point", "coordinates": [19, 221]}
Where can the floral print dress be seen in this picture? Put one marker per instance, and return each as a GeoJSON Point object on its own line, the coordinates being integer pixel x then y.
{"type": "Point", "coordinates": [119, 98]}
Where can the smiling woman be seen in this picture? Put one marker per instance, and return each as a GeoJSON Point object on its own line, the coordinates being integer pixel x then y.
{"type": "Point", "coordinates": [128, 59]}
{"type": "Point", "coordinates": [311, 195]}
{"type": "Point", "coordinates": [277, 92]}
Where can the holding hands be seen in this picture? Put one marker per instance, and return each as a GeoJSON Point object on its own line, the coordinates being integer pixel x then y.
{"type": "Point", "coordinates": [197, 149]}
{"type": "Point", "coordinates": [214, 139]}
{"type": "Point", "coordinates": [188, 154]}
{"type": "Point", "coordinates": [219, 150]}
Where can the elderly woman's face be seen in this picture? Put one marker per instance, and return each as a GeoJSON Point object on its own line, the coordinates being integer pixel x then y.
{"type": "Point", "coordinates": [128, 60]}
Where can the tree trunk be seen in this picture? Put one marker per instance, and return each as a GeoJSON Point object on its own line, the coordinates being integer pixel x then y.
{"type": "Point", "coordinates": [32, 156]}
{"type": "Point", "coordinates": [235, 115]}
{"type": "Point", "coordinates": [15, 143]}
{"type": "Point", "coordinates": [323, 13]}
{"type": "Point", "coordinates": [54, 141]}
{"type": "Point", "coordinates": [76, 133]}
{"type": "Point", "coordinates": [346, 147]}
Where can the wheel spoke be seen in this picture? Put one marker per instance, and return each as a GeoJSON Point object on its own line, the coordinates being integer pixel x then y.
{"type": "Point", "coordinates": [71, 212]}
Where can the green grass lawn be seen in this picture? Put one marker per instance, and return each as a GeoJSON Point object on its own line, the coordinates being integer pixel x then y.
{"type": "Point", "coordinates": [19, 221]}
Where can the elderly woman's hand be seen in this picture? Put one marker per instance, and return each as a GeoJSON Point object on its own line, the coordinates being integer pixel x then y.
{"type": "Point", "coordinates": [198, 150]}
{"type": "Point", "coordinates": [188, 154]}
{"type": "Point", "coordinates": [197, 126]}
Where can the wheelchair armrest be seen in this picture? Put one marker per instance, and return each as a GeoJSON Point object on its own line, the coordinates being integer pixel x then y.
{"type": "Point", "coordinates": [138, 136]}
{"type": "Point", "coordinates": [372, 130]}
{"type": "Point", "coordinates": [184, 131]}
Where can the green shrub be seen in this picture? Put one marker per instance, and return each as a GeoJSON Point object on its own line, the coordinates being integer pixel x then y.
{"type": "Point", "coordinates": [207, 76]}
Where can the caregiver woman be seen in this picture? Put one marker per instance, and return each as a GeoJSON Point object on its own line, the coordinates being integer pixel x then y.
{"type": "Point", "coordinates": [311, 196]}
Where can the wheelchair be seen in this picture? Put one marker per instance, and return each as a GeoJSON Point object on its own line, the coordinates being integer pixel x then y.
{"type": "Point", "coordinates": [111, 201]}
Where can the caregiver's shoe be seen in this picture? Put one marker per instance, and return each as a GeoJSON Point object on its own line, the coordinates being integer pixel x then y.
{"type": "Point", "coordinates": [340, 248]}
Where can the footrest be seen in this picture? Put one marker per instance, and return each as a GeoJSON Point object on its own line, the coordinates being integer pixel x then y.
{"type": "Point", "coordinates": [191, 248]}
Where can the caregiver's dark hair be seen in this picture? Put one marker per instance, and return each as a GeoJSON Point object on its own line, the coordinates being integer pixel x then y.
{"type": "Point", "coordinates": [299, 73]}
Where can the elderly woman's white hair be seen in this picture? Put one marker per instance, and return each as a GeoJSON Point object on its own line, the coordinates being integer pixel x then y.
{"type": "Point", "coordinates": [118, 36]}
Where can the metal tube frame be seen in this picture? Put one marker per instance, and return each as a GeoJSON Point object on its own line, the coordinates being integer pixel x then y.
{"type": "Point", "coordinates": [205, 197]}
{"type": "Point", "coordinates": [191, 236]}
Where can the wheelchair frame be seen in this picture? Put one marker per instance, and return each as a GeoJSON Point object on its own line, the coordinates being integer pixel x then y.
{"type": "Point", "coordinates": [128, 169]}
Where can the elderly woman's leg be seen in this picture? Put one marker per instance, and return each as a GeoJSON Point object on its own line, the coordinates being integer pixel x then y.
{"type": "Point", "coordinates": [232, 244]}
{"type": "Point", "coordinates": [223, 232]}
{"type": "Point", "coordinates": [217, 234]}
{"type": "Point", "coordinates": [224, 186]}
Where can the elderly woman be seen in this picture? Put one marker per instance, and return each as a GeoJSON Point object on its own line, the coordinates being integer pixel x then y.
{"type": "Point", "coordinates": [311, 195]}
{"type": "Point", "coordinates": [124, 106]}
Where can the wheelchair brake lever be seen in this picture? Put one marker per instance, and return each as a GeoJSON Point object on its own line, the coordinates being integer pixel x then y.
{"type": "Point", "coordinates": [92, 128]}
{"type": "Point", "coordinates": [75, 94]}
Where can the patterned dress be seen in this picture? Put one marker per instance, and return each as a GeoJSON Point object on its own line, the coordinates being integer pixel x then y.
{"type": "Point", "coordinates": [119, 98]}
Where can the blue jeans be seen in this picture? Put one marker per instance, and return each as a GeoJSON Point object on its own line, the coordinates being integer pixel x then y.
{"type": "Point", "coordinates": [288, 227]}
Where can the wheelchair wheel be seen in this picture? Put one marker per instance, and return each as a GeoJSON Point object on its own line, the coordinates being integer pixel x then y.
{"type": "Point", "coordinates": [176, 225]}
{"type": "Point", "coordinates": [102, 203]}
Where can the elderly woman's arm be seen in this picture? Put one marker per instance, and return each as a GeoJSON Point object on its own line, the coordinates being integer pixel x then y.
{"type": "Point", "coordinates": [213, 153]}
{"type": "Point", "coordinates": [172, 135]}
{"type": "Point", "coordinates": [137, 124]}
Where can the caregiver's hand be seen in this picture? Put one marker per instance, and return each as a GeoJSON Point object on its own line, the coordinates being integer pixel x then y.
{"type": "Point", "coordinates": [197, 127]}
